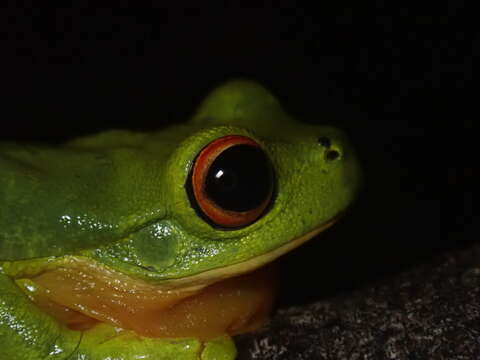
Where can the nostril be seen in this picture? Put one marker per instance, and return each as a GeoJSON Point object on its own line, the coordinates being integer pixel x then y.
{"type": "Point", "coordinates": [332, 155]}
{"type": "Point", "coordinates": [324, 141]}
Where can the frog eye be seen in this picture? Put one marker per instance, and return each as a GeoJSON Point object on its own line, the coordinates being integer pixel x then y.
{"type": "Point", "coordinates": [231, 182]}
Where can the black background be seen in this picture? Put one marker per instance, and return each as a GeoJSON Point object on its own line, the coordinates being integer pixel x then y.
{"type": "Point", "coordinates": [390, 81]}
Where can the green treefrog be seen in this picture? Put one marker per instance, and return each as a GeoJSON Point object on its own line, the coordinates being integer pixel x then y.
{"type": "Point", "coordinates": [127, 245]}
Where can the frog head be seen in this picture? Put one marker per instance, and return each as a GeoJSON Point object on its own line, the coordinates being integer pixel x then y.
{"type": "Point", "coordinates": [240, 184]}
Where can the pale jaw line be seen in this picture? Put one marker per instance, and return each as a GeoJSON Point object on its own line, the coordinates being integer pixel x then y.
{"type": "Point", "coordinates": [198, 281]}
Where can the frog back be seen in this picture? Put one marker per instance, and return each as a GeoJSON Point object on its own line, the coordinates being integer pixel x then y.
{"type": "Point", "coordinates": [57, 201]}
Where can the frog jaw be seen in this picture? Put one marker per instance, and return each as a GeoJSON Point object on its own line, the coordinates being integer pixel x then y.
{"type": "Point", "coordinates": [200, 280]}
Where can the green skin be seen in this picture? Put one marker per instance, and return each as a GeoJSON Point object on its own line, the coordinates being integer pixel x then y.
{"type": "Point", "coordinates": [118, 198]}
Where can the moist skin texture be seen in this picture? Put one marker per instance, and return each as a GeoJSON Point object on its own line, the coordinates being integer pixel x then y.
{"type": "Point", "coordinates": [81, 296]}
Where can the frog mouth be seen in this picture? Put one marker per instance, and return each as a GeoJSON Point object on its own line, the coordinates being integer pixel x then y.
{"type": "Point", "coordinates": [81, 293]}
{"type": "Point", "coordinates": [214, 275]}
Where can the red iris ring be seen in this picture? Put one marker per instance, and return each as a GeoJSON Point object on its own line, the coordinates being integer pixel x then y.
{"type": "Point", "coordinates": [209, 208]}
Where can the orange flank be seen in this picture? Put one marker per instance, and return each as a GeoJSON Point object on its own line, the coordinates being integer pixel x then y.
{"type": "Point", "coordinates": [82, 295]}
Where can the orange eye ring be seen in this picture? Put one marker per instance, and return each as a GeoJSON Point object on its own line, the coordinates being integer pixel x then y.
{"type": "Point", "coordinates": [231, 182]}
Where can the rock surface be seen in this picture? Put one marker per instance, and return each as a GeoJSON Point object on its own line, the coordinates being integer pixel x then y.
{"type": "Point", "coordinates": [431, 311]}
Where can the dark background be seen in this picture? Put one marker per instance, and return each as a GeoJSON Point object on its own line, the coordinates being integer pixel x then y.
{"type": "Point", "coordinates": [389, 81]}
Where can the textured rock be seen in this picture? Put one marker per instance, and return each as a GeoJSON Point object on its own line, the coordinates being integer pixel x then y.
{"type": "Point", "coordinates": [431, 311]}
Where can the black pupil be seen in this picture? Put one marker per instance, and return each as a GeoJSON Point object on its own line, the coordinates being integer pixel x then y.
{"type": "Point", "coordinates": [240, 178]}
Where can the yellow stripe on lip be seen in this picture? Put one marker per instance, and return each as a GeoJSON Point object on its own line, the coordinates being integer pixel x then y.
{"type": "Point", "coordinates": [197, 281]}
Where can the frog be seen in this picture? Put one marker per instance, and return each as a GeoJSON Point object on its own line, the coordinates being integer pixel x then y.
{"type": "Point", "coordinates": [159, 245]}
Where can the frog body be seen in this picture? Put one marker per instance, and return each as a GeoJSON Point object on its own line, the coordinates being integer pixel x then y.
{"type": "Point", "coordinates": [163, 215]}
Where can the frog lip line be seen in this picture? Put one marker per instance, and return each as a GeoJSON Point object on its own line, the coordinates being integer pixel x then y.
{"type": "Point", "coordinates": [208, 277]}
